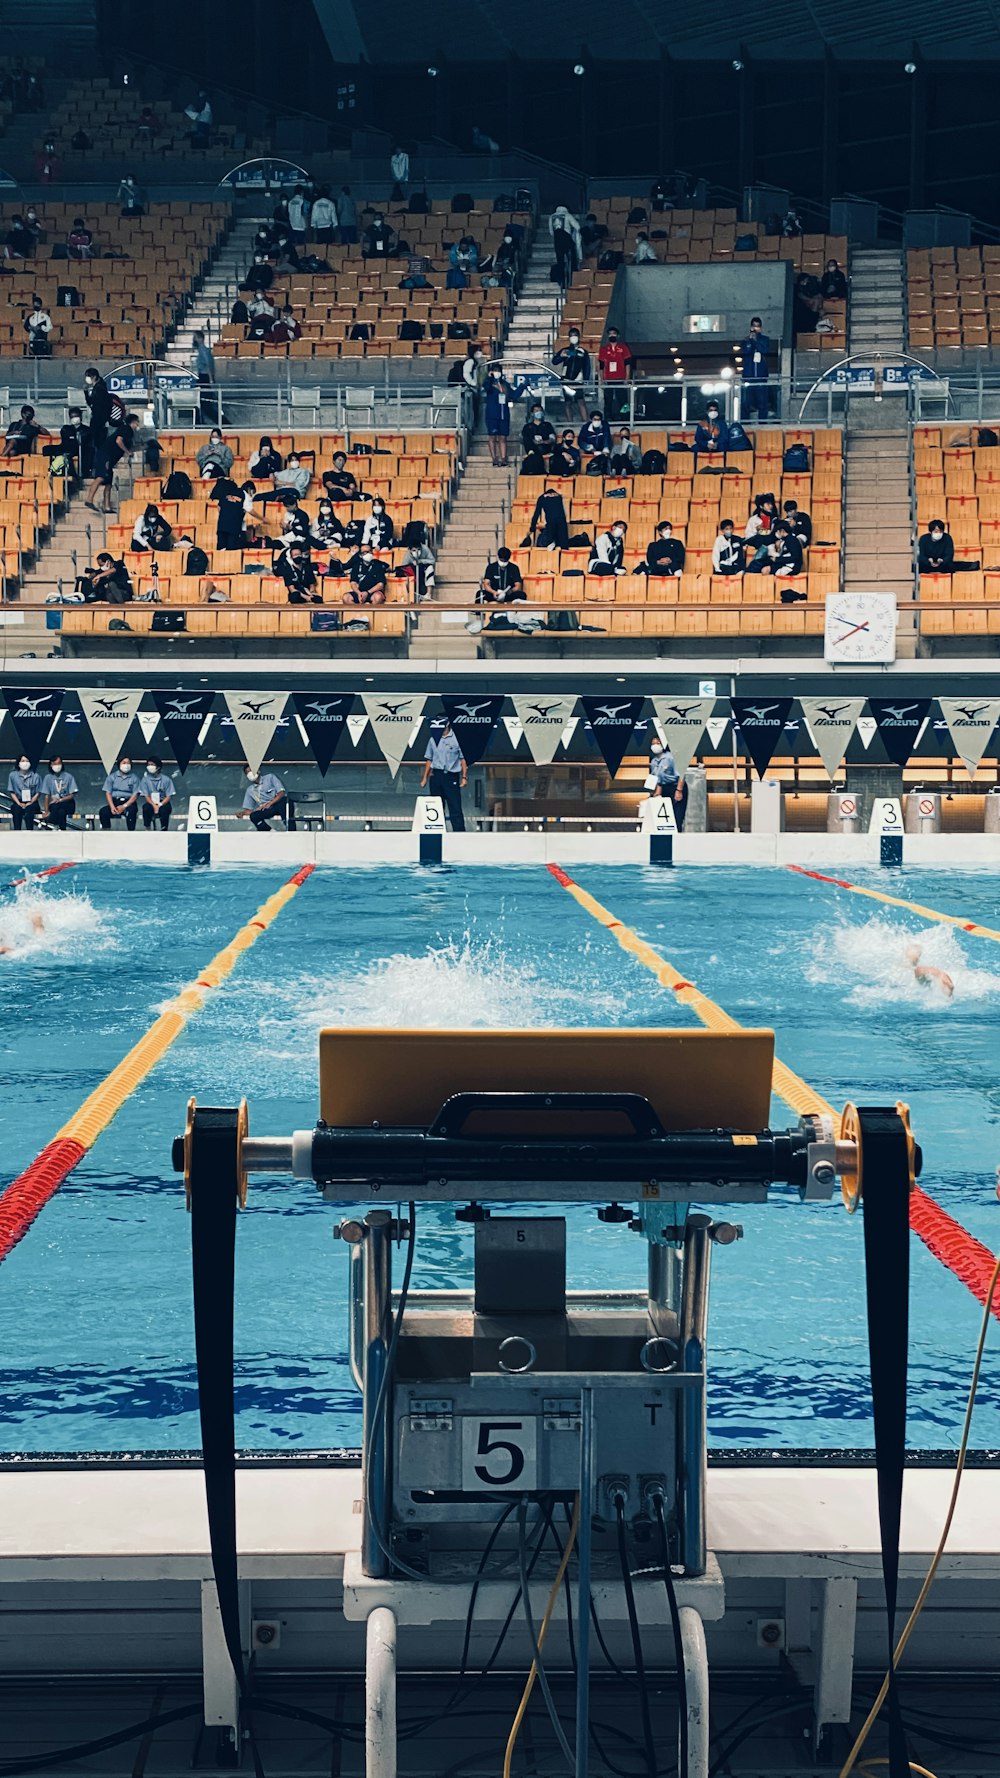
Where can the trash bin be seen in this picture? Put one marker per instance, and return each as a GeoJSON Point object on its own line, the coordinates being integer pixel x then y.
{"type": "Point", "coordinates": [843, 812]}
{"type": "Point", "coordinates": [696, 819]}
{"type": "Point", "coordinates": [767, 806]}
{"type": "Point", "coordinates": [923, 812]}
{"type": "Point", "coordinates": [991, 812]}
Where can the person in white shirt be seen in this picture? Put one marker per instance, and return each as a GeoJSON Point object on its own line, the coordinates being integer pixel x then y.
{"type": "Point", "coordinates": [399, 166]}
{"type": "Point", "coordinates": [644, 254]}
{"type": "Point", "coordinates": [298, 213]}
{"type": "Point", "coordinates": [323, 220]}
{"type": "Point", "coordinates": [727, 550]}
{"type": "Point", "coordinates": [607, 555]}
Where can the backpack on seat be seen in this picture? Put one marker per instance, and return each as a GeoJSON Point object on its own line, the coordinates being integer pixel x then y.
{"type": "Point", "coordinates": [653, 463]}
{"type": "Point", "coordinates": [795, 460]}
{"type": "Point", "coordinates": [178, 485]}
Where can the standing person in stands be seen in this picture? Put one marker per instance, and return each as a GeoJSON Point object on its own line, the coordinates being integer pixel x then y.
{"type": "Point", "coordinates": [573, 364]}
{"type": "Point", "coordinates": [203, 365]}
{"type": "Point", "coordinates": [347, 212]}
{"type": "Point", "coordinates": [97, 395]}
{"type": "Point", "coordinates": [76, 442]}
{"type": "Point", "coordinates": [131, 199]}
{"type": "Point", "coordinates": [565, 231]}
{"type": "Point", "coordinates": [474, 377]}
{"type": "Point", "coordinates": [616, 362]}
{"type": "Point", "coordinates": [446, 772]}
{"type": "Point", "coordinates": [80, 241]}
{"type": "Point", "coordinates": [229, 524]}
{"type": "Point", "coordinates": [38, 327]}
{"type": "Point", "coordinates": [499, 396]}
{"type": "Point", "coordinates": [399, 167]}
{"type": "Point", "coordinates": [59, 794]}
{"type": "Point", "coordinates": [323, 222]}
{"type": "Point", "coordinates": [549, 528]}
{"type": "Point", "coordinates": [109, 451]}
{"type": "Point", "coordinates": [754, 352]}
{"type": "Point", "coordinates": [156, 791]}
{"type": "Point", "coordinates": [711, 437]}
{"type": "Point", "coordinates": [298, 215]}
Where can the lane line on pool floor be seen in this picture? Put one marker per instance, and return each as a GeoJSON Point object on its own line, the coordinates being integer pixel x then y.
{"type": "Point", "coordinates": [28, 1194]}
{"type": "Point", "coordinates": [897, 901]}
{"type": "Point", "coordinates": [965, 1257]}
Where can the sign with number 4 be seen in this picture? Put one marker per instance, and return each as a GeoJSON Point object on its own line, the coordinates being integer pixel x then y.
{"type": "Point", "coordinates": [499, 1454]}
{"type": "Point", "coordinates": [203, 816]}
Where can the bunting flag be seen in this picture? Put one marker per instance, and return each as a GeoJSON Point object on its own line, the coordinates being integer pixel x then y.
{"type": "Point", "coordinates": [867, 730]}
{"type": "Point", "coordinates": [971, 722]}
{"type": "Point", "coordinates": [761, 722]}
{"type": "Point", "coordinates": [148, 721]}
{"type": "Point", "coordinates": [831, 723]}
{"type": "Point", "coordinates": [682, 725]}
{"type": "Point", "coordinates": [256, 715]}
{"type": "Point", "coordinates": [899, 721]}
{"type": "Point", "coordinates": [356, 726]}
{"type": "Point", "coordinates": [322, 717]}
{"type": "Point", "coordinates": [109, 716]}
{"type": "Point", "coordinates": [33, 711]}
{"type": "Point", "coordinates": [716, 727]}
{"type": "Point", "coordinates": [472, 721]}
{"type": "Point", "coordinates": [543, 721]}
{"type": "Point", "coordinates": [183, 714]}
{"type": "Point", "coordinates": [613, 721]}
{"type": "Point", "coordinates": [393, 718]}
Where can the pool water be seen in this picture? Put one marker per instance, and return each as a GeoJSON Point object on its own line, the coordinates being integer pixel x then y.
{"type": "Point", "coordinates": [96, 1342]}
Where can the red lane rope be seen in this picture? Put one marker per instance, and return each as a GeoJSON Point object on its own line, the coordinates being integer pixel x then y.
{"type": "Point", "coordinates": [818, 877]}
{"type": "Point", "coordinates": [560, 875]}
{"type": "Point", "coordinates": [965, 1257]}
{"type": "Point", "coordinates": [31, 1190]}
{"type": "Point", "coordinates": [51, 870]}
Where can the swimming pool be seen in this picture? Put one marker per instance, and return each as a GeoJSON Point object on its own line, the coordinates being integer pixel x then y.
{"type": "Point", "coordinates": [96, 1343]}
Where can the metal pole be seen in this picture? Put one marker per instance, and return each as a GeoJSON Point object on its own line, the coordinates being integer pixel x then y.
{"type": "Point", "coordinates": [583, 1583]}
{"type": "Point", "coordinates": [356, 1314]}
{"type": "Point", "coordinates": [693, 1468]}
{"type": "Point", "coordinates": [380, 1694]}
{"type": "Point", "coordinates": [375, 1457]}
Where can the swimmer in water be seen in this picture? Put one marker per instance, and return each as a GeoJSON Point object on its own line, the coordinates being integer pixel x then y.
{"type": "Point", "coordinates": [925, 973]}
{"type": "Point", "coordinates": [37, 926]}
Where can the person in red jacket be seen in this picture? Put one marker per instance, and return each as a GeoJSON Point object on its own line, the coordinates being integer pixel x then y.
{"type": "Point", "coordinates": [616, 361]}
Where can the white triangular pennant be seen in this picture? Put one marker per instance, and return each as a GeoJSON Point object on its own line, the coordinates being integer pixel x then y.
{"type": "Point", "coordinates": [514, 729]}
{"type": "Point", "coordinates": [255, 715]}
{"type": "Point", "coordinates": [109, 716]}
{"type": "Point", "coordinates": [867, 729]}
{"type": "Point", "coordinates": [831, 722]}
{"type": "Point", "coordinates": [356, 726]}
{"type": "Point", "coordinates": [569, 731]}
{"type": "Point", "coordinates": [680, 723]}
{"type": "Point", "coordinates": [716, 727]}
{"type": "Point", "coordinates": [545, 721]}
{"type": "Point", "coordinates": [971, 722]}
{"type": "Point", "coordinates": [147, 720]}
{"type": "Point", "coordinates": [203, 731]}
{"type": "Point", "coordinates": [395, 719]}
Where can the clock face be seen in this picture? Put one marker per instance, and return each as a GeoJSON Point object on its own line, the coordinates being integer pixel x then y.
{"type": "Point", "coordinates": [860, 627]}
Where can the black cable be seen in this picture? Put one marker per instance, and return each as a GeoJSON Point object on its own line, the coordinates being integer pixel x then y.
{"type": "Point", "coordinates": [675, 1624]}
{"type": "Point", "coordinates": [737, 1741]}
{"type": "Point", "coordinates": [633, 1624]}
{"type": "Point", "coordinates": [60, 1756]}
{"type": "Point", "coordinates": [540, 1673]}
{"type": "Point", "coordinates": [480, 1571]}
{"type": "Point", "coordinates": [381, 1536]}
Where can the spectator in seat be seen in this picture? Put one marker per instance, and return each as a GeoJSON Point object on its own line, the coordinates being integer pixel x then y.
{"type": "Point", "coordinates": [566, 458]}
{"type": "Point", "coordinates": [753, 353]}
{"type": "Point", "coordinates": [108, 580]}
{"type": "Point", "coordinates": [22, 433]}
{"type": "Point", "coordinates": [608, 554]}
{"type": "Point", "coordinates": [781, 558]}
{"type": "Point", "coordinates": [214, 454]}
{"type": "Point", "coordinates": [566, 242]}
{"type": "Point", "coordinates": [202, 117]}
{"type": "Point", "coordinates": [502, 268]}
{"type": "Point", "coordinates": [324, 217]}
{"type": "Point", "coordinates": [549, 528]}
{"type": "Point", "coordinates": [791, 224]}
{"type": "Point", "coordinates": [833, 284]}
{"type": "Point", "coordinates": [538, 436]}
{"type": "Point", "coordinates": [760, 525]}
{"type": "Point", "coordinates": [239, 314]}
{"type": "Point", "coordinates": [285, 328]}
{"type": "Point", "coordinates": [645, 252]}
{"type": "Point", "coordinates": [59, 794]}
{"type": "Point", "coordinates": [616, 362]}
{"type": "Point", "coordinates": [34, 225]}
{"type": "Point", "coordinates": [936, 549]}
{"type": "Point", "coordinates": [151, 531]}
{"type": "Point", "coordinates": [19, 242]}
{"type": "Point", "coordinates": [261, 316]}
{"type": "Point", "coordinates": [666, 554]}
{"type": "Point", "coordinates": [366, 579]}
{"type": "Point", "coordinates": [463, 260]}
{"type": "Point", "coordinates": [594, 440]}
{"type": "Point", "coordinates": [298, 571]}
{"type": "Point", "coordinates": [798, 522]}
{"type": "Point", "coordinates": [502, 583]}
{"type": "Point", "coordinates": [294, 520]}
{"type": "Point", "coordinates": [626, 455]}
{"type": "Point", "coordinates": [121, 795]}
{"type": "Point", "coordinates": [156, 791]}
{"type": "Point", "coordinates": [295, 477]}
{"type": "Point", "coordinates": [38, 327]}
{"type": "Point", "coordinates": [379, 531]}
{"type": "Point", "coordinates": [340, 482]}
{"type": "Point", "coordinates": [326, 531]}
{"type": "Point", "coordinates": [727, 550]}
{"type": "Point", "coordinates": [711, 437]}
{"type": "Point", "coordinates": [592, 233]}
{"type": "Point", "coordinates": [266, 461]}
{"type": "Point", "coordinates": [379, 240]}
{"type": "Point", "coordinates": [260, 276]}
{"type": "Point", "coordinates": [347, 212]}
{"type": "Point", "coordinates": [266, 796]}
{"type": "Point", "coordinates": [80, 241]}
{"type": "Point", "coordinates": [573, 364]}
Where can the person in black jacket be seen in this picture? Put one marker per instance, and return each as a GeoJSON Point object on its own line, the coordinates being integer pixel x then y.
{"type": "Point", "coordinates": [501, 583]}
{"type": "Point", "coordinates": [108, 579]}
{"type": "Point", "coordinates": [298, 571]}
{"type": "Point", "coordinates": [366, 579]}
{"type": "Point", "coordinates": [229, 526]}
{"type": "Point", "coordinates": [260, 276]}
{"type": "Point", "coordinates": [666, 554]}
{"type": "Point", "coordinates": [936, 549]}
{"type": "Point", "coordinates": [798, 521]}
{"type": "Point", "coordinates": [340, 482]}
{"type": "Point", "coordinates": [548, 528]}
{"type": "Point", "coordinates": [98, 398]}
{"type": "Point", "coordinates": [566, 457]}
{"type": "Point", "coordinates": [573, 364]}
{"type": "Point", "coordinates": [538, 437]}
{"type": "Point", "coordinates": [833, 283]}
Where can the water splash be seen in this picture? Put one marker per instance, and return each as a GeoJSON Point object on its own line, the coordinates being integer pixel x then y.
{"type": "Point", "coordinates": [35, 925]}
{"type": "Point", "coordinates": [870, 959]}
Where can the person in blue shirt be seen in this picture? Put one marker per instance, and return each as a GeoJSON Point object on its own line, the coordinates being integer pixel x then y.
{"type": "Point", "coordinates": [667, 781]}
{"type": "Point", "coordinates": [499, 396]}
{"type": "Point", "coordinates": [594, 439]}
{"type": "Point", "coordinates": [753, 351]}
{"type": "Point", "coordinates": [265, 795]}
{"type": "Point", "coordinates": [121, 794]}
{"type": "Point", "coordinates": [23, 788]}
{"type": "Point", "coordinates": [711, 437]}
{"type": "Point", "coordinates": [446, 773]}
{"type": "Point", "coordinates": [156, 791]}
{"type": "Point", "coordinates": [59, 793]}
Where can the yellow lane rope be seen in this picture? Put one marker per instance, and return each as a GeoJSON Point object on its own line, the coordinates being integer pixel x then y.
{"type": "Point", "coordinates": [897, 901]}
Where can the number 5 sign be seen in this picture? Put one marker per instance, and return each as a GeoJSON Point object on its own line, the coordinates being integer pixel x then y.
{"type": "Point", "coordinates": [203, 816]}
{"type": "Point", "coordinates": [499, 1454]}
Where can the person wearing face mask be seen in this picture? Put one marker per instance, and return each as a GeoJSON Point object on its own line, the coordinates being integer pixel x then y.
{"type": "Point", "coordinates": [565, 458]}
{"type": "Point", "coordinates": [665, 555]}
{"type": "Point", "coordinates": [264, 797]}
{"type": "Point", "coordinates": [711, 440]}
{"type": "Point", "coordinates": [379, 531]}
{"type": "Point", "coordinates": [594, 440]}
{"type": "Point", "coordinates": [98, 398]}
{"type": "Point", "coordinates": [936, 549]}
{"type": "Point", "coordinates": [664, 780]}
{"type": "Point", "coordinates": [379, 241]}
{"type": "Point", "coordinates": [753, 354]}
{"type": "Point", "coordinates": [626, 456]}
{"type": "Point", "coordinates": [214, 454]}
{"type": "Point", "coordinates": [608, 554]}
{"type": "Point", "coordinates": [617, 363]}
{"type": "Point", "coordinates": [298, 571]}
{"type": "Point", "coordinates": [59, 793]}
{"type": "Point", "coordinates": [499, 396]}
{"type": "Point", "coordinates": [327, 530]}
{"type": "Point", "coordinates": [474, 378]}
{"type": "Point", "coordinates": [538, 437]}
{"type": "Point", "coordinates": [121, 792]}
{"type": "Point", "coordinates": [156, 791]}
{"type": "Point", "coordinates": [24, 789]}
{"type": "Point", "coordinates": [573, 364]}
{"type": "Point", "coordinates": [366, 579]}
{"type": "Point", "coordinates": [295, 476]}
{"type": "Point", "coordinates": [502, 268]}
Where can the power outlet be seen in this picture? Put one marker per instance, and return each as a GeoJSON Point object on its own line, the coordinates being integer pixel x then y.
{"type": "Point", "coordinates": [771, 1632]}
{"type": "Point", "coordinates": [265, 1632]}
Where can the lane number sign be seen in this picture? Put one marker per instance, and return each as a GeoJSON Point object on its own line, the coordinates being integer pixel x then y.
{"type": "Point", "coordinates": [499, 1454]}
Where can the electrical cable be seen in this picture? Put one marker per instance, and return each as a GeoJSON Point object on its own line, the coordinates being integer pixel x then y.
{"type": "Point", "coordinates": [41, 1762]}
{"type": "Point", "coordinates": [380, 1399]}
{"type": "Point", "coordinates": [909, 1626]}
{"type": "Point", "coordinates": [722, 1759]}
{"type": "Point", "coordinates": [537, 1669]}
{"type": "Point", "coordinates": [510, 1507]}
{"type": "Point", "coordinates": [633, 1624]}
{"type": "Point", "coordinates": [675, 1624]}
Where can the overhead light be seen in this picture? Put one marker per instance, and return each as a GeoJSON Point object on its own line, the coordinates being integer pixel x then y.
{"type": "Point", "coordinates": [578, 68]}
{"type": "Point", "coordinates": [737, 65]}
{"type": "Point", "coordinates": [726, 371]}
{"type": "Point", "coordinates": [678, 373]}
{"type": "Point", "coordinates": [433, 73]}
{"type": "Point", "coordinates": [909, 67]}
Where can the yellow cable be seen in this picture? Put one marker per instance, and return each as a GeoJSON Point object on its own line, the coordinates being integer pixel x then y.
{"type": "Point", "coordinates": [869, 1763]}
{"type": "Point", "coordinates": [918, 1607]}
{"type": "Point", "coordinates": [529, 1684]}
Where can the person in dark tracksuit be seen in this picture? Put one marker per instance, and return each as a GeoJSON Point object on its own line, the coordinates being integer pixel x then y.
{"type": "Point", "coordinates": [121, 793]}
{"type": "Point", "coordinates": [445, 770]}
{"type": "Point", "coordinates": [266, 795]}
{"type": "Point", "coordinates": [156, 791]}
{"type": "Point", "coordinates": [59, 793]}
{"type": "Point", "coordinates": [23, 787]}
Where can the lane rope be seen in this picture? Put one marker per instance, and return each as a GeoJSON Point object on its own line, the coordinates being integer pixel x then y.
{"type": "Point", "coordinates": [28, 1194]}
{"type": "Point", "coordinates": [35, 876]}
{"type": "Point", "coordinates": [965, 1257]}
{"type": "Point", "coordinates": [897, 901]}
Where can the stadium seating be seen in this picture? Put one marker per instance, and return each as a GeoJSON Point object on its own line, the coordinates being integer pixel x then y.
{"type": "Point", "coordinates": [131, 299]}
{"type": "Point", "coordinates": [112, 116]}
{"type": "Point", "coordinates": [952, 297]}
{"type": "Point", "coordinates": [960, 482]}
{"type": "Point", "coordinates": [29, 501]}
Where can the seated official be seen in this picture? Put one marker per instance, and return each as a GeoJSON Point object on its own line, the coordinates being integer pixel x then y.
{"type": "Point", "coordinates": [156, 793]}
{"type": "Point", "coordinates": [59, 793]}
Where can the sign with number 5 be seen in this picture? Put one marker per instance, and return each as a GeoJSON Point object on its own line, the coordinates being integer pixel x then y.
{"type": "Point", "coordinates": [499, 1454]}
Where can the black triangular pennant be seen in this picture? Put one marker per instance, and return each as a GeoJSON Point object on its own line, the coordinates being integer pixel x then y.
{"type": "Point", "coordinates": [761, 723]}
{"type": "Point", "coordinates": [323, 715]}
{"type": "Point", "coordinates": [613, 721]}
{"type": "Point", "coordinates": [33, 710]}
{"type": "Point", "coordinates": [899, 721]}
{"type": "Point", "coordinates": [472, 721]}
{"type": "Point", "coordinates": [182, 714]}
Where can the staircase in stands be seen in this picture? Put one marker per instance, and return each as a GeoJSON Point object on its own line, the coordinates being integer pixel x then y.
{"type": "Point", "coordinates": [876, 316]}
{"type": "Point", "coordinates": [531, 339]}
{"type": "Point", "coordinates": [209, 311]}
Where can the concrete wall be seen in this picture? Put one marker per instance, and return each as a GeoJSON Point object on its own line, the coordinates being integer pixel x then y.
{"type": "Point", "coordinates": [650, 303]}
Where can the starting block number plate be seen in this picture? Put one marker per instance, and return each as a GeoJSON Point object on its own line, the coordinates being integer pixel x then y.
{"type": "Point", "coordinates": [499, 1454]}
